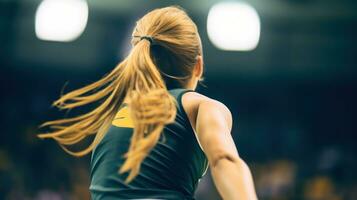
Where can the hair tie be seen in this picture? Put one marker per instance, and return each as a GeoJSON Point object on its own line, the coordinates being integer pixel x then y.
{"type": "Point", "coordinates": [149, 38]}
{"type": "Point", "coordinates": [146, 37]}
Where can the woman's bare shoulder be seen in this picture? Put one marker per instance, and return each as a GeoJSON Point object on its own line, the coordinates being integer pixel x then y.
{"type": "Point", "coordinates": [192, 101]}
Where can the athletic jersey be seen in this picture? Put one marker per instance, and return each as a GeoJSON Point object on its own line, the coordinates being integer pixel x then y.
{"type": "Point", "coordinates": [171, 170]}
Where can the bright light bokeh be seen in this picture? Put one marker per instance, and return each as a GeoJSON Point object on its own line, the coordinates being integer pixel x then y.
{"type": "Point", "coordinates": [61, 20]}
{"type": "Point", "coordinates": [233, 26]}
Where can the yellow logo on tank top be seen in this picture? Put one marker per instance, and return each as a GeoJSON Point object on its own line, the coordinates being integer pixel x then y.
{"type": "Point", "coordinates": [123, 119]}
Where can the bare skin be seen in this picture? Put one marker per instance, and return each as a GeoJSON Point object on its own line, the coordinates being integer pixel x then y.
{"type": "Point", "coordinates": [212, 122]}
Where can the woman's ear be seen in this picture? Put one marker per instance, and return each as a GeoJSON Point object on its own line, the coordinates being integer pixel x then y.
{"type": "Point", "coordinates": [198, 69]}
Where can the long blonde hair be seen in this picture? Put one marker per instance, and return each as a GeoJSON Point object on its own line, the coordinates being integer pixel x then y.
{"type": "Point", "coordinates": [165, 44]}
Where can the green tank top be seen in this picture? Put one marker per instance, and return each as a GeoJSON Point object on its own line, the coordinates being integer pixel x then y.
{"type": "Point", "coordinates": [171, 171]}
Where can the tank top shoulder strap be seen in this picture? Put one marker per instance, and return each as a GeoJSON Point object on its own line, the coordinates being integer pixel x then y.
{"type": "Point", "coordinates": [177, 93]}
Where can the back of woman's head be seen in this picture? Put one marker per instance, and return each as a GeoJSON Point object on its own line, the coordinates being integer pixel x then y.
{"type": "Point", "coordinates": [165, 49]}
{"type": "Point", "coordinates": [175, 43]}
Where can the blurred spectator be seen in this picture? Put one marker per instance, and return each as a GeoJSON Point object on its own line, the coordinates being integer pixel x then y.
{"type": "Point", "coordinates": [276, 180]}
{"type": "Point", "coordinates": [320, 188]}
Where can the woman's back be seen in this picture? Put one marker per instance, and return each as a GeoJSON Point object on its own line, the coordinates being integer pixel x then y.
{"type": "Point", "coordinates": [170, 171]}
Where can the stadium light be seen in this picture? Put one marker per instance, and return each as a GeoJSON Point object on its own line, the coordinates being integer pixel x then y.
{"type": "Point", "coordinates": [233, 26]}
{"type": "Point", "coordinates": [61, 20]}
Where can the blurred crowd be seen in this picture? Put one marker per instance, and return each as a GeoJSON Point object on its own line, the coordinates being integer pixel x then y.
{"type": "Point", "coordinates": [32, 169]}
{"type": "Point", "coordinates": [35, 169]}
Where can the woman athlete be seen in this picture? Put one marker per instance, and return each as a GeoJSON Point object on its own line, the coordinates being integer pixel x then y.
{"type": "Point", "coordinates": [155, 136]}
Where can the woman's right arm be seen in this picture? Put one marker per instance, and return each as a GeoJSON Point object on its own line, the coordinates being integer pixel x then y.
{"type": "Point", "coordinates": [230, 173]}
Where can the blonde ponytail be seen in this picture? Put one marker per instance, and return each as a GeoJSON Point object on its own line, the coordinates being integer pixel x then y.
{"type": "Point", "coordinates": [151, 107]}
{"type": "Point", "coordinates": [137, 80]}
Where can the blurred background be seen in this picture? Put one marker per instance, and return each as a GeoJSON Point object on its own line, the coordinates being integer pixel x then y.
{"type": "Point", "coordinates": [287, 69]}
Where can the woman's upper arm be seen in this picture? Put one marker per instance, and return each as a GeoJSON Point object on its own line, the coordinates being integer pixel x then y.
{"type": "Point", "coordinates": [213, 128]}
